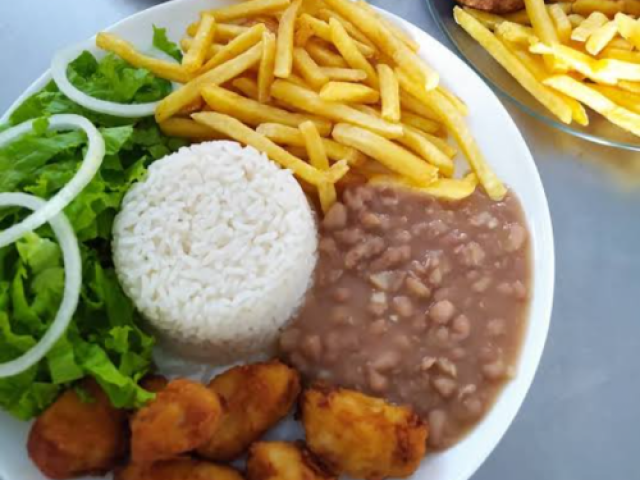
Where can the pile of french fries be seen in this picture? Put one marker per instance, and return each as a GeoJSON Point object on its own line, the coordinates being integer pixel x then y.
{"type": "Point", "coordinates": [329, 89]}
{"type": "Point", "coordinates": [569, 55]}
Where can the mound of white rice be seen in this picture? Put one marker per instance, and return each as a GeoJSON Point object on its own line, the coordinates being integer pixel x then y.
{"type": "Point", "coordinates": [216, 247]}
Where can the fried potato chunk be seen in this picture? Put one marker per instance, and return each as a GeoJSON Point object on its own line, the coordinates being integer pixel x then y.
{"type": "Point", "coordinates": [179, 469]}
{"type": "Point", "coordinates": [256, 397]}
{"type": "Point", "coordinates": [77, 436]}
{"type": "Point", "coordinates": [182, 417]}
{"type": "Point", "coordinates": [284, 461]}
{"type": "Point", "coordinates": [362, 436]}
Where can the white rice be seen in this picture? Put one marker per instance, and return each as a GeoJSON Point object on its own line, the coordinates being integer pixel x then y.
{"type": "Point", "coordinates": [216, 248]}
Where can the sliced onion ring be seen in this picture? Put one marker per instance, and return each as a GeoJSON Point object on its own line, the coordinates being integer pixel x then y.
{"type": "Point", "coordinates": [72, 283]}
{"type": "Point", "coordinates": [59, 64]}
{"type": "Point", "coordinates": [90, 165]}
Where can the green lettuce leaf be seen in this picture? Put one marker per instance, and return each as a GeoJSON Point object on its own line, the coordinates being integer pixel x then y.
{"type": "Point", "coordinates": [162, 43]}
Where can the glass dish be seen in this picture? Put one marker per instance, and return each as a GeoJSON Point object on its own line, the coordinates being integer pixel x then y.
{"type": "Point", "coordinates": [599, 129]}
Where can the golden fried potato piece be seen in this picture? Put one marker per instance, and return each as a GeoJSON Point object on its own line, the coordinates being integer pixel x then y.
{"type": "Point", "coordinates": [182, 417]}
{"type": "Point", "coordinates": [74, 437]}
{"type": "Point", "coordinates": [179, 469]}
{"type": "Point", "coordinates": [255, 397]}
{"type": "Point", "coordinates": [284, 461]}
{"type": "Point", "coordinates": [362, 436]}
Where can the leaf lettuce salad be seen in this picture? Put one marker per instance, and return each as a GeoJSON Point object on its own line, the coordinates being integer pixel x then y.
{"type": "Point", "coordinates": [104, 340]}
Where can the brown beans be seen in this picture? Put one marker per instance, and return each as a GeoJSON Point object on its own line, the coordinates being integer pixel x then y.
{"type": "Point", "coordinates": [417, 288]}
{"type": "Point", "coordinates": [437, 420]}
{"type": "Point", "coordinates": [403, 306]}
{"type": "Point", "coordinates": [445, 386]}
{"type": "Point", "coordinates": [368, 248]}
{"type": "Point", "coordinates": [336, 217]}
{"type": "Point", "coordinates": [417, 301]}
{"type": "Point", "coordinates": [387, 361]}
{"type": "Point", "coordinates": [312, 347]}
{"type": "Point", "coordinates": [442, 312]}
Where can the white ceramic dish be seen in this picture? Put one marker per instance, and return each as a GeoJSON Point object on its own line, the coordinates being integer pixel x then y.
{"type": "Point", "coordinates": [502, 145]}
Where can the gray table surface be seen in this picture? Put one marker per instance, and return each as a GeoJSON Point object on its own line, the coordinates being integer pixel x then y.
{"type": "Point", "coordinates": [581, 418]}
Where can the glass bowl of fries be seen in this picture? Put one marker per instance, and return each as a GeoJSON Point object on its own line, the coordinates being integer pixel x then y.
{"type": "Point", "coordinates": [577, 68]}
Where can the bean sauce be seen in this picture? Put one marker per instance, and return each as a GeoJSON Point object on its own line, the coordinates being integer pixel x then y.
{"type": "Point", "coordinates": [419, 301]}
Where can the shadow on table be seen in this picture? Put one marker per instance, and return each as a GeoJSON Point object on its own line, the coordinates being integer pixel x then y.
{"type": "Point", "coordinates": [623, 166]}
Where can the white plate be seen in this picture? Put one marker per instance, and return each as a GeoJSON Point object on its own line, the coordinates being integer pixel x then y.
{"type": "Point", "coordinates": [507, 152]}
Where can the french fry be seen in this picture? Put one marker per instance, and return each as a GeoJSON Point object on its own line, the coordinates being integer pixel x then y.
{"type": "Point", "coordinates": [427, 150]}
{"type": "Point", "coordinates": [309, 26]}
{"type": "Point", "coordinates": [633, 87]}
{"type": "Point", "coordinates": [284, 135]}
{"type": "Point", "coordinates": [411, 104]}
{"type": "Point", "coordinates": [235, 129]}
{"type": "Point", "coordinates": [186, 44]}
{"type": "Point", "coordinates": [193, 60]}
{"type": "Point", "coordinates": [561, 22]}
{"type": "Point", "coordinates": [311, 102]}
{"type": "Point", "coordinates": [517, 33]}
{"type": "Point", "coordinates": [397, 31]}
{"type": "Point", "coordinates": [318, 159]}
{"type": "Point", "coordinates": [250, 8]}
{"type": "Point", "coordinates": [587, 27]}
{"type": "Point", "coordinates": [347, 48]}
{"type": "Point", "coordinates": [254, 113]}
{"type": "Point", "coordinates": [595, 100]}
{"type": "Point", "coordinates": [308, 68]}
{"type": "Point", "coordinates": [386, 152]}
{"type": "Point", "coordinates": [423, 124]}
{"type": "Point", "coordinates": [349, 93]}
{"type": "Point", "coordinates": [344, 74]}
{"type": "Point", "coordinates": [607, 71]}
{"type": "Point", "coordinates": [389, 93]}
{"type": "Point", "coordinates": [299, 81]}
{"type": "Point", "coordinates": [327, 14]}
{"type": "Point", "coordinates": [629, 29]}
{"type": "Point", "coordinates": [454, 100]}
{"type": "Point", "coordinates": [449, 150]}
{"type": "Point", "coordinates": [544, 29]}
{"type": "Point", "coordinates": [247, 86]}
{"type": "Point", "coordinates": [380, 35]}
{"type": "Point", "coordinates": [618, 54]}
{"type": "Point", "coordinates": [284, 40]}
{"type": "Point", "coordinates": [126, 51]}
{"type": "Point", "coordinates": [444, 188]}
{"type": "Point", "coordinates": [224, 31]}
{"type": "Point", "coordinates": [489, 20]}
{"type": "Point", "coordinates": [575, 20]}
{"type": "Point", "coordinates": [537, 68]}
{"type": "Point", "coordinates": [621, 43]}
{"type": "Point", "coordinates": [628, 100]}
{"type": "Point", "coordinates": [601, 38]}
{"type": "Point", "coordinates": [187, 128]}
{"type": "Point", "coordinates": [190, 92]}
{"type": "Point", "coordinates": [267, 65]}
{"type": "Point", "coordinates": [510, 62]}
{"type": "Point", "coordinates": [455, 122]}
{"type": "Point", "coordinates": [324, 56]}
{"type": "Point", "coordinates": [607, 7]}
{"type": "Point", "coordinates": [235, 47]}
{"type": "Point", "coordinates": [521, 17]}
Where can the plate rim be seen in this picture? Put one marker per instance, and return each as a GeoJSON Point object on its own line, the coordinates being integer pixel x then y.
{"type": "Point", "coordinates": [544, 229]}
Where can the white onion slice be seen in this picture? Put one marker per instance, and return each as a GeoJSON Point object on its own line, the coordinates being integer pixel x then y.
{"type": "Point", "coordinates": [72, 283]}
{"type": "Point", "coordinates": [90, 165]}
{"type": "Point", "coordinates": [59, 64]}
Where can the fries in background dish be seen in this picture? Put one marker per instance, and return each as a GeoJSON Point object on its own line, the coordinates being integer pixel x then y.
{"type": "Point", "coordinates": [329, 89]}
{"type": "Point", "coordinates": [574, 55]}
